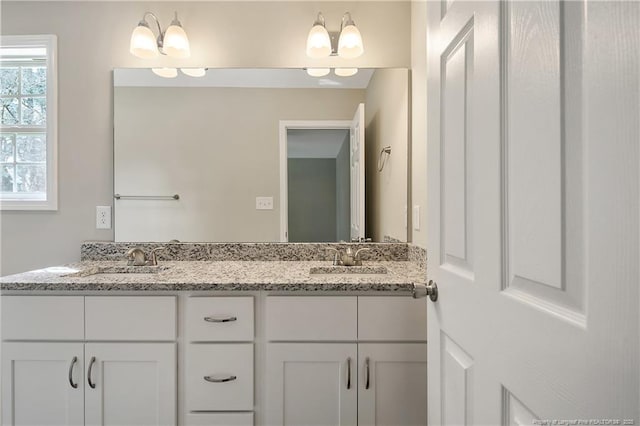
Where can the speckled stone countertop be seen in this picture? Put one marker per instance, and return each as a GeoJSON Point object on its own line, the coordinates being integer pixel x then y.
{"type": "Point", "coordinates": [216, 275]}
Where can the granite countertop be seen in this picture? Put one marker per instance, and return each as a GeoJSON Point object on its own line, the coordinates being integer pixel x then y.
{"type": "Point", "coordinates": [216, 275]}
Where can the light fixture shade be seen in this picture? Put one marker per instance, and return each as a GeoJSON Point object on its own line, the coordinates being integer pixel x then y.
{"type": "Point", "coordinates": [165, 72]}
{"type": "Point", "coordinates": [346, 72]}
{"type": "Point", "coordinates": [318, 42]}
{"type": "Point", "coordinates": [194, 72]}
{"type": "Point", "coordinates": [318, 72]}
{"type": "Point", "coordinates": [350, 43]}
{"type": "Point", "coordinates": [176, 43]}
{"type": "Point", "coordinates": [143, 43]}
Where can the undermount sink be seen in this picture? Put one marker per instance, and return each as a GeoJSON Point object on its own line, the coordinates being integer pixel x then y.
{"type": "Point", "coordinates": [120, 270]}
{"type": "Point", "coordinates": [348, 270]}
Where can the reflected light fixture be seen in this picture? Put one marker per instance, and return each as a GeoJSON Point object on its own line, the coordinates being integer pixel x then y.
{"type": "Point", "coordinates": [318, 72]}
{"type": "Point", "coordinates": [345, 72]}
{"type": "Point", "coordinates": [172, 42]}
{"type": "Point", "coordinates": [165, 72]}
{"type": "Point", "coordinates": [318, 41]}
{"type": "Point", "coordinates": [350, 43]}
{"type": "Point", "coordinates": [194, 72]}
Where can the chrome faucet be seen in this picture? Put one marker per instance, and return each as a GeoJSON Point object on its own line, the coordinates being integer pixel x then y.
{"type": "Point", "coordinates": [348, 258]}
{"type": "Point", "coordinates": [136, 257]}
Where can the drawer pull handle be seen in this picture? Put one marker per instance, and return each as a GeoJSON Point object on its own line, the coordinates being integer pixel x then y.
{"type": "Point", "coordinates": [73, 363]}
{"type": "Point", "coordinates": [219, 319]}
{"type": "Point", "coordinates": [349, 373]}
{"type": "Point", "coordinates": [92, 385]}
{"type": "Point", "coordinates": [366, 366]}
{"type": "Point", "coordinates": [219, 379]}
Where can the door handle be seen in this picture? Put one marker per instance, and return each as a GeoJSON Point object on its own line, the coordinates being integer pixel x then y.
{"type": "Point", "coordinates": [73, 363]}
{"type": "Point", "coordinates": [218, 379]}
{"type": "Point", "coordinates": [367, 373]}
{"type": "Point", "coordinates": [349, 373]}
{"type": "Point", "coordinates": [92, 385]}
{"type": "Point", "coordinates": [217, 319]}
{"type": "Point", "coordinates": [421, 290]}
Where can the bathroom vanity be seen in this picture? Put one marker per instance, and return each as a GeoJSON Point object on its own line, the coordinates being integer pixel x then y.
{"type": "Point", "coordinates": [238, 337]}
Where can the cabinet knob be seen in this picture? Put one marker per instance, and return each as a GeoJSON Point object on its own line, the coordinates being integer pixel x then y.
{"type": "Point", "coordinates": [74, 360]}
{"type": "Point", "coordinates": [92, 385]}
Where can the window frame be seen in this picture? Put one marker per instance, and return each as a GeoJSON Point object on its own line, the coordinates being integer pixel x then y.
{"type": "Point", "coordinates": [18, 201]}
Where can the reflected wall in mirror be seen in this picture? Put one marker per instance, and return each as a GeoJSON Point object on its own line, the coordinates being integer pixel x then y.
{"type": "Point", "coordinates": [217, 142]}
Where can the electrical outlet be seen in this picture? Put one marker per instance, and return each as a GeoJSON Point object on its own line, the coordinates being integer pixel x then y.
{"type": "Point", "coordinates": [264, 203]}
{"type": "Point", "coordinates": [103, 217]}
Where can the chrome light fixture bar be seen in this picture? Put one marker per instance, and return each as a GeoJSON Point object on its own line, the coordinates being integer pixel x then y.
{"type": "Point", "coordinates": [320, 42]}
{"type": "Point", "coordinates": [172, 42]}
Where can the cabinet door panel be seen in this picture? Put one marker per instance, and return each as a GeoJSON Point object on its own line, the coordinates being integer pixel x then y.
{"type": "Point", "coordinates": [135, 384]}
{"type": "Point", "coordinates": [36, 389]}
{"type": "Point", "coordinates": [308, 384]}
{"type": "Point", "coordinates": [397, 391]}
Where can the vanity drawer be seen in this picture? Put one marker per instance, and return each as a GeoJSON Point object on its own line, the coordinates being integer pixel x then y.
{"type": "Point", "coordinates": [214, 319]}
{"type": "Point", "coordinates": [139, 318]}
{"type": "Point", "coordinates": [43, 317]}
{"type": "Point", "coordinates": [391, 318]}
{"type": "Point", "coordinates": [228, 369]}
{"type": "Point", "coordinates": [310, 318]}
{"type": "Point", "coordinates": [220, 419]}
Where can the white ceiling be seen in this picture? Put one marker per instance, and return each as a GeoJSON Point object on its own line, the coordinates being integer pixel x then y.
{"type": "Point", "coordinates": [289, 78]}
{"type": "Point", "coordinates": [315, 143]}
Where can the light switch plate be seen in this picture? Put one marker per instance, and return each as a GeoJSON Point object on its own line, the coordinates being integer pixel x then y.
{"type": "Point", "coordinates": [416, 217]}
{"type": "Point", "coordinates": [264, 203]}
{"type": "Point", "coordinates": [103, 217]}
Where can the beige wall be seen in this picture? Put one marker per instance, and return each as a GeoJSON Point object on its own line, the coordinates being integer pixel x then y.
{"type": "Point", "coordinates": [418, 181]}
{"type": "Point", "coordinates": [218, 148]}
{"type": "Point", "coordinates": [93, 39]}
{"type": "Point", "coordinates": [386, 117]}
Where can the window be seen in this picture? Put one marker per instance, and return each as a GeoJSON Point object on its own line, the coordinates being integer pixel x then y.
{"type": "Point", "coordinates": [28, 135]}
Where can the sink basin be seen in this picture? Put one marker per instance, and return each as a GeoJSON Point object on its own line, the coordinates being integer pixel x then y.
{"type": "Point", "coordinates": [348, 270]}
{"type": "Point", "coordinates": [118, 271]}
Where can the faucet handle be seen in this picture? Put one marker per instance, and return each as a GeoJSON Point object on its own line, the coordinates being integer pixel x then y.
{"type": "Point", "coordinates": [336, 256]}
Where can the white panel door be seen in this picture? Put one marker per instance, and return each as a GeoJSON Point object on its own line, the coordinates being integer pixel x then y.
{"type": "Point", "coordinates": [311, 384]}
{"type": "Point", "coordinates": [132, 384]}
{"type": "Point", "coordinates": [392, 384]}
{"type": "Point", "coordinates": [533, 188]}
{"type": "Point", "coordinates": [356, 136]}
{"type": "Point", "coordinates": [42, 384]}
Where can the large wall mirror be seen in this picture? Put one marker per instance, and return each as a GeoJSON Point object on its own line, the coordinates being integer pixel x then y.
{"type": "Point", "coordinates": [261, 155]}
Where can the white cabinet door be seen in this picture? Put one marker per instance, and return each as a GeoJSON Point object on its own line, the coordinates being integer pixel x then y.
{"type": "Point", "coordinates": [38, 382]}
{"type": "Point", "coordinates": [130, 384]}
{"type": "Point", "coordinates": [392, 384]}
{"type": "Point", "coordinates": [311, 384]}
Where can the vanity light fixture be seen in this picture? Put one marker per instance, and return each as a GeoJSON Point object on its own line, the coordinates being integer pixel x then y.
{"type": "Point", "coordinates": [319, 41]}
{"type": "Point", "coordinates": [165, 72]}
{"type": "Point", "coordinates": [350, 44]}
{"type": "Point", "coordinates": [318, 72]}
{"type": "Point", "coordinates": [172, 42]}
{"type": "Point", "coordinates": [345, 72]}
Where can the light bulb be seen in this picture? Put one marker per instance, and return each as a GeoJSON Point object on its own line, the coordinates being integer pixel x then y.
{"type": "Point", "coordinates": [143, 43]}
{"type": "Point", "coordinates": [175, 42]}
{"type": "Point", "coordinates": [318, 41]}
{"type": "Point", "coordinates": [318, 72]}
{"type": "Point", "coordinates": [350, 43]}
{"type": "Point", "coordinates": [194, 72]}
{"type": "Point", "coordinates": [345, 72]}
{"type": "Point", "coordinates": [165, 72]}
